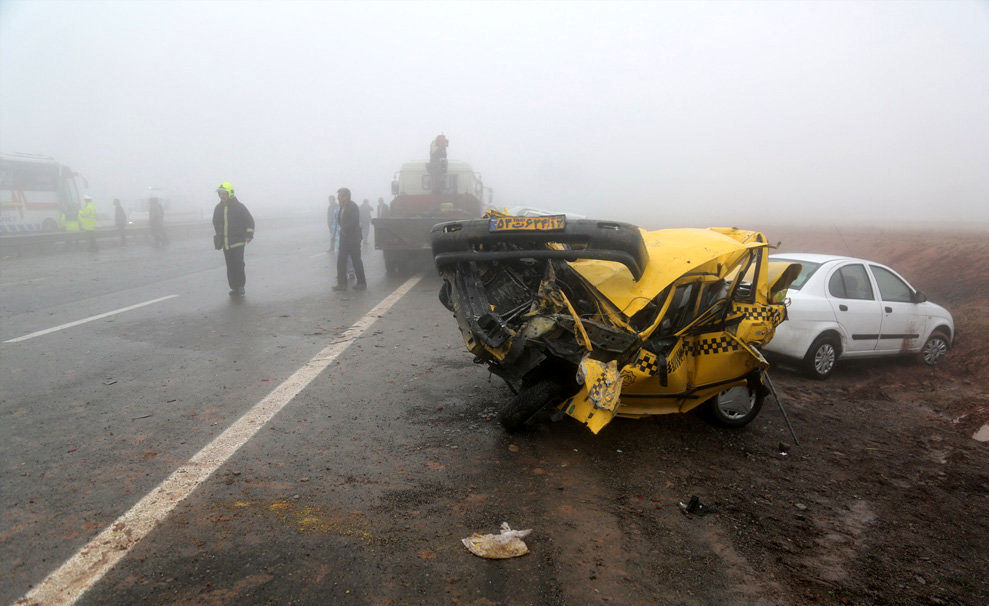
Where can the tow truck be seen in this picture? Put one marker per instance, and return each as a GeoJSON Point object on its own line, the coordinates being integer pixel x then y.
{"type": "Point", "coordinates": [425, 193]}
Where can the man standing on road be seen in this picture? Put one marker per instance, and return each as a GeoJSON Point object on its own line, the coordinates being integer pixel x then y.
{"type": "Point", "coordinates": [366, 211]}
{"type": "Point", "coordinates": [120, 220]}
{"type": "Point", "coordinates": [349, 218]}
{"type": "Point", "coordinates": [234, 228]}
{"type": "Point", "coordinates": [87, 221]}
{"type": "Point", "coordinates": [382, 208]}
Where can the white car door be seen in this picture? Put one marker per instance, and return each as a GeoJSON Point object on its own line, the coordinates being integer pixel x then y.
{"type": "Point", "coordinates": [902, 324]}
{"type": "Point", "coordinates": [859, 313]}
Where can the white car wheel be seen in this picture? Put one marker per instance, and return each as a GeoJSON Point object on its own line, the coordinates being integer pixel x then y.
{"type": "Point", "coordinates": [822, 357]}
{"type": "Point", "coordinates": [934, 349]}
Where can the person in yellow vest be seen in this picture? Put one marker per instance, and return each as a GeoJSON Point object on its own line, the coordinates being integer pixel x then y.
{"type": "Point", "coordinates": [87, 221]}
{"type": "Point", "coordinates": [70, 218]}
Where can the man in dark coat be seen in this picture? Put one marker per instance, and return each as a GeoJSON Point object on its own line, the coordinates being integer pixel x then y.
{"type": "Point", "coordinates": [234, 227]}
{"type": "Point", "coordinates": [349, 219]}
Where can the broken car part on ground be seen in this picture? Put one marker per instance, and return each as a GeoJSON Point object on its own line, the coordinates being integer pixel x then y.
{"type": "Point", "coordinates": [602, 318]}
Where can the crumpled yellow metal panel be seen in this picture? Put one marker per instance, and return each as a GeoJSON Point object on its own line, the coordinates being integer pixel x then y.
{"type": "Point", "coordinates": [672, 253]}
{"type": "Point", "coordinates": [596, 402]}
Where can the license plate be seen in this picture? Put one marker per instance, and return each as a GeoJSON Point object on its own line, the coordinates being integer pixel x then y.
{"type": "Point", "coordinates": [550, 223]}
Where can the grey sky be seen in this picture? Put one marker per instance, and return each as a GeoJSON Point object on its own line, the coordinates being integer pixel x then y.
{"type": "Point", "coordinates": [661, 113]}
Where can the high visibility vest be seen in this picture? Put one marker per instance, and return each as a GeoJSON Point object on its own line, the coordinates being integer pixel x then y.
{"type": "Point", "coordinates": [87, 217]}
{"type": "Point", "coordinates": [69, 224]}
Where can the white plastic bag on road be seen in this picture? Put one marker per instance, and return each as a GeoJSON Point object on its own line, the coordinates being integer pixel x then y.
{"type": "Point", "coordinates": [507, 544]}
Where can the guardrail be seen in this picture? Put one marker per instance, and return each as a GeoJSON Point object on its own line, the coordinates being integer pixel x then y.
{"type": "Point", "coordinates": [43, 242]}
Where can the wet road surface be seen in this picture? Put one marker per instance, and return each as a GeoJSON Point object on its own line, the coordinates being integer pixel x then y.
{"type": "Point", "coordinates": [360, 488]}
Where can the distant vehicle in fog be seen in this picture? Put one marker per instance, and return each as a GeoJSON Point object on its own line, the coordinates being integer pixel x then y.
{"type": "Point", "coordinates": [35, 192]}
{"type": "Point", "coordinates": [845, 308]}
{"type": "Point", "coordinates": [426, 193]}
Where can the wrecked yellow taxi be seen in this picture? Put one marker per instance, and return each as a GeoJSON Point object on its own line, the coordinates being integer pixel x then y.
{"type": "Point", "coordinates": [604, 319]}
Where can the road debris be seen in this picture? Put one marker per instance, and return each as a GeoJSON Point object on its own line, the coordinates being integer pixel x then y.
{"type": "Point", "coordinates": [507, 544]}
{"type": "Point", "coordinates": [695, 507]}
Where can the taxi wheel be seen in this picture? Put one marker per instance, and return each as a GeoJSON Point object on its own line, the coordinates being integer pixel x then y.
{"type": "Point", "coordinates": [735, 406]}
{"type": "Point", "coordinates": [822, 357]}
{"type": "Point", "coordinates": [528, 402]}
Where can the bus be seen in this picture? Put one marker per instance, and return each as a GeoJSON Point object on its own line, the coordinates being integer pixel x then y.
{"type": "Point", "coordinates": [35, 192]}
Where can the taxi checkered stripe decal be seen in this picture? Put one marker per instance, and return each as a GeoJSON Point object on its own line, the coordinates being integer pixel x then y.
{"type": "Point", "coordinates": [713, 346]}
{"type": "Point", "coordinates": [760, 312]}
{"type": "Point", "coordinates": [672, 364]}
{"type": "Point", "coordinates": [595, 391]}
{"type": "Point", "coordinates": [647, 363]}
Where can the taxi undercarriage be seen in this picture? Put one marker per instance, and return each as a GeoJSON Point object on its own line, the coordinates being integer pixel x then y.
{"type": "Point", "coordinates": [603, 319]}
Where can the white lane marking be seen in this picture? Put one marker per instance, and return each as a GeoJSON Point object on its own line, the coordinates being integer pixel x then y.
{"type": "Point", "coordinates": [322, 254]}
{"type": "Point", "coordinates": [89, 319]}
{"type": "Point", "coordinates": [96, 558]}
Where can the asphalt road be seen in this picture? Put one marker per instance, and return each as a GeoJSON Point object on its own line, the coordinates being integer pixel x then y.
{"type": "Point", "coordinates": [379, 456]}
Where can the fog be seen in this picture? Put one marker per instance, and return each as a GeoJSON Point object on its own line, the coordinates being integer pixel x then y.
{"type": "Point", "coordinates": [660, 113]}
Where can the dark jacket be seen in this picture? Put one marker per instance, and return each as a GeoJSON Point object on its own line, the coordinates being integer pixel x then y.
{"type": "Point", "coordinates": [233, 223]}
{"type": "Point", "coordinates": [119, 216]}
{"type": "Point", "coordinates": [349, 219]}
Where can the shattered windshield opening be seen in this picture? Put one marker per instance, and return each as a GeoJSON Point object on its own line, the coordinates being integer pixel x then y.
{"type": "Point", "coordinates": [807, 269]}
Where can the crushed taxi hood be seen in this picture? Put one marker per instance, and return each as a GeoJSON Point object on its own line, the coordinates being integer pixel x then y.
{"type": "Point", "coordinates": [674, 253]}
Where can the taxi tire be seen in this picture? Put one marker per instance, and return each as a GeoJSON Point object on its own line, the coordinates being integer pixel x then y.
{"type": "Point", "coordinates": [715, 416]}
{"type": "Point", "coordinates": [528, 402]}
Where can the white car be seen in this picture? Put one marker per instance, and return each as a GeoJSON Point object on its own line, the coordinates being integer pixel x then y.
{"type": "Point", "coordinates": [842, 307]}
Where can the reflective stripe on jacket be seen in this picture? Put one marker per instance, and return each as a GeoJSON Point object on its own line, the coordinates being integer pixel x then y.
{"type": "Point", "coordinates": [234, 222]}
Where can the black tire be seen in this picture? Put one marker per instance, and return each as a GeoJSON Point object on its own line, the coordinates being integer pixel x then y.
{"type": "Point", "coordinates": [528, 402]}
{"type": "Point", "coordinates": [935, 347]}
{"type": "Point", "coordinates": [735, 407]}
{"type": "Point", "coordinates": [49, 224]}
{"type": "Point", "coordinates": [445, 295]}
{"type": "Point", "coordinates": [822, 356]}
{"type": "Point", "coordinates": [391, 262]}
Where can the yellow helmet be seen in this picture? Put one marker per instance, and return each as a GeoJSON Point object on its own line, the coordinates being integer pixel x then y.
{"type": "Point", "coordinates": [226, 186]}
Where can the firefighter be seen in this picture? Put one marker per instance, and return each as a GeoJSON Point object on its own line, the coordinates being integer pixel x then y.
{"type": "Point", "coordinates": [349, 218]}
{"type": "Point", "coordinates": [87, 221]}
{"type": "Point", "coordinates": [234, 227]}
